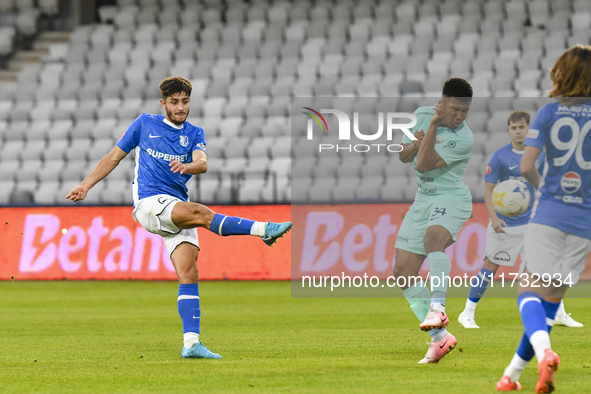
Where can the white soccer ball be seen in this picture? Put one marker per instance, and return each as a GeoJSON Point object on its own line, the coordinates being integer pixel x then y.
{"type": "Point", "coordinates": [511, 198]}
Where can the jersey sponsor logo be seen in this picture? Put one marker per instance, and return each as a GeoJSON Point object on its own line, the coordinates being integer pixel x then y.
{"type": "Point", "coordinates": [573, 199]}
{"type": "Point", "coordinates": [402, 238]}
{"type": "Point", "coordinates": [201, 145]}
{"type": "Point", "coordinates": [426, 179]}
{"type": "Point", "coordinates": [518, 178]}
{"type": "Point", "coordinates": [533, 133]}
{"type": "Point", "coordinates": [570, 182]}
{"type": "Point", "coordinates": [502, 256]}
{"type": "Point", "coordinates": [427, 191]}
{"type": "Point", "coordinates": [166, 156]}
{"type": "Point", "coordinates": [184, 141]}
{"type": "Point", "coordinates": [488, 169]}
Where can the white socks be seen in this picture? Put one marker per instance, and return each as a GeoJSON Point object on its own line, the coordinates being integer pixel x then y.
{"type": "Point", "coordinates": [258, 229]}
{"type": "Point", "coordinates": [561, 311]}
{"type": "Point", "coordinates": [470, 307]}
{"type": "Point", "coordinates": [540, 341]}
{"type": "Point", "coordinates": [516, 366]}
{"type": "Point", "coordinates": [190, 338]}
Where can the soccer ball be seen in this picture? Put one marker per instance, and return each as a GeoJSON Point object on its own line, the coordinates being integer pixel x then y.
{"type": "Point", "coordinates": [511, 198]}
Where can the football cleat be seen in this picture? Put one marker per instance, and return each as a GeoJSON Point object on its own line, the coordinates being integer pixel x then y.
{"type": "Point", "coordinates": [437, 350]}
{"type": "Point", "coordinates": [274, 231]}
{"type": "Point", "coordinates": [566, 320]}
{"type": "Point", "coordinates": [434, 319]}
{"type": "Point", "coordinates": [505, 384]}
{"type": "Point", "coordinates": [546, 370]}
{"type": "Point", "coordinates": [198, 351]}
{"type": "Point", "coordinates": [467, 321]}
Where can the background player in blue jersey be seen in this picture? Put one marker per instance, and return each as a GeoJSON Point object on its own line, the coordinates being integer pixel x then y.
{"type": "Point", "coordinates": [168, 151]}
{"type": "Point", "coordinates": [504, 235]}
{"type": "Point", "coordinates": [558, 237]}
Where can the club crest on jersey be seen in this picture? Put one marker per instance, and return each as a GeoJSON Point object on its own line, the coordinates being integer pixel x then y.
{"type": "Point", "coordinates": [533, 133]}
{"type": "Point", "coordinates": [184, 141]}
{"type": "Point", "coordinates": [439, 140]}
{"type": "Point", "coordinates": [570, 182]}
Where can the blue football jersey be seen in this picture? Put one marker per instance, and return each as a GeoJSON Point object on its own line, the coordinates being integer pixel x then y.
{"type": "Point", "coordinates": [156, 143]}
{"type": "Point", "coordinates": [565, 197]}
{"type": "Point", "coordinates": [504, 165]}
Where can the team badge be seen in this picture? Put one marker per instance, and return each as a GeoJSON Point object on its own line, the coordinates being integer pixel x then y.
{"type": "Point", "coordinates": [533, 133]}
{"type": "Point", "coordinates": [439, 140]}
{"type": "Point", "coordinates": [570, 182]}
{"type": "Point", "coordinates": [184, 141]}
{"type": "Point", "coordinates": [201, 145]}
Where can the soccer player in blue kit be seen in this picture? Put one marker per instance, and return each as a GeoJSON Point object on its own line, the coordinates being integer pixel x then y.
{"type": "Point", "coordinates": [558, 236]}
{"type": "Point", "coordinates": [168, 151]}
{"type": "Point", "coordinates": [504, 235]}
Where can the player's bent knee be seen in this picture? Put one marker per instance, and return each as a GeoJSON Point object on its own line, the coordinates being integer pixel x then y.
{"type": "Point", "coordinates": [191, 215]}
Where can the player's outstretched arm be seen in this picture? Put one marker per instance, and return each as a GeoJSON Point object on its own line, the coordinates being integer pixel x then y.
{"type": "Point", "coordinates": [528, 165]}
{"type": "Point", "coordinates": [102, 169]}
{"type": "Point", "coordinates": [497, 224]}
{"type": "Point", "coordinates": [197, 166]}
{"type": "Point", "coordinates": [409, 151]}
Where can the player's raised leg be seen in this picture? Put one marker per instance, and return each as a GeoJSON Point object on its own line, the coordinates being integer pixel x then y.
{"type": "Point", "coordinates": [184, 258]}
{"type": "Point", "coordinates": [190, 215]}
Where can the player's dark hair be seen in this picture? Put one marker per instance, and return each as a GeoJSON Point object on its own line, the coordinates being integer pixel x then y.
{"type": "Point", "coordinates": [458, 88]}
{"type": "Point", "coordinates": [571, 75]}
{"type": "Point", "coordinates": [173, 85]}
{"type": "Point", "coordinates": [518, 115]}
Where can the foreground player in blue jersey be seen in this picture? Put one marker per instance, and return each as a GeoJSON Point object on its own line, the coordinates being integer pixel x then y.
{"type": "Point", "coordinates": [168, 151]}
{"type": "Point", "coordinates": [504, 235]}
{"type": "Point", "coordinates": [558, 237]}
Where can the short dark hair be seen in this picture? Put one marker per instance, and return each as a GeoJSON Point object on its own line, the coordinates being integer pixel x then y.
{"type": "Point", "coordinates": [518, 115]}
{"type": "Point", "coordinates": [173, 85]}
{"type": "Point", "coordinates": [457, 88]}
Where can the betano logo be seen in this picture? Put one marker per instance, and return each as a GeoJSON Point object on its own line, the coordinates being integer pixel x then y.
{"type": "Point", "coordinates": [344, 123]}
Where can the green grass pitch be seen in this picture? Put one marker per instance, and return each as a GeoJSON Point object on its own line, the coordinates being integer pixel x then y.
{"type": "Point", "coordinates": [126, 337]}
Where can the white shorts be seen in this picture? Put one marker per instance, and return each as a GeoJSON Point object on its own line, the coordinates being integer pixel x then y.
{"type": "Point", "coordinates": [555, 252]}
{"type": "Point", "coordinates": [154, 214]}
{"type": "Point", "coordinates": [503, 248]}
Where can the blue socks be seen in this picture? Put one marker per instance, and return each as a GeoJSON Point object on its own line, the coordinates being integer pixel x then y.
{"type": "Point", "coordinates": [188, 306]}
{"type": "Point", "coordinates": [532, 313]}
{"type": "Point", "coordinates": [538, 318]}
{"type": "Point", "coordinates": [476, 292]}
{"type": "Point", "coordinates": [230, 225]}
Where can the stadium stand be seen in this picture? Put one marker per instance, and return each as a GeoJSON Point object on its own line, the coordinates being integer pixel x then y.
{"type": "Point", "coordinates": [246, 61]}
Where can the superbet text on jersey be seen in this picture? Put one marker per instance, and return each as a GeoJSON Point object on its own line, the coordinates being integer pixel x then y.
{"type": "Point", "coordinates": [563, 131]}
